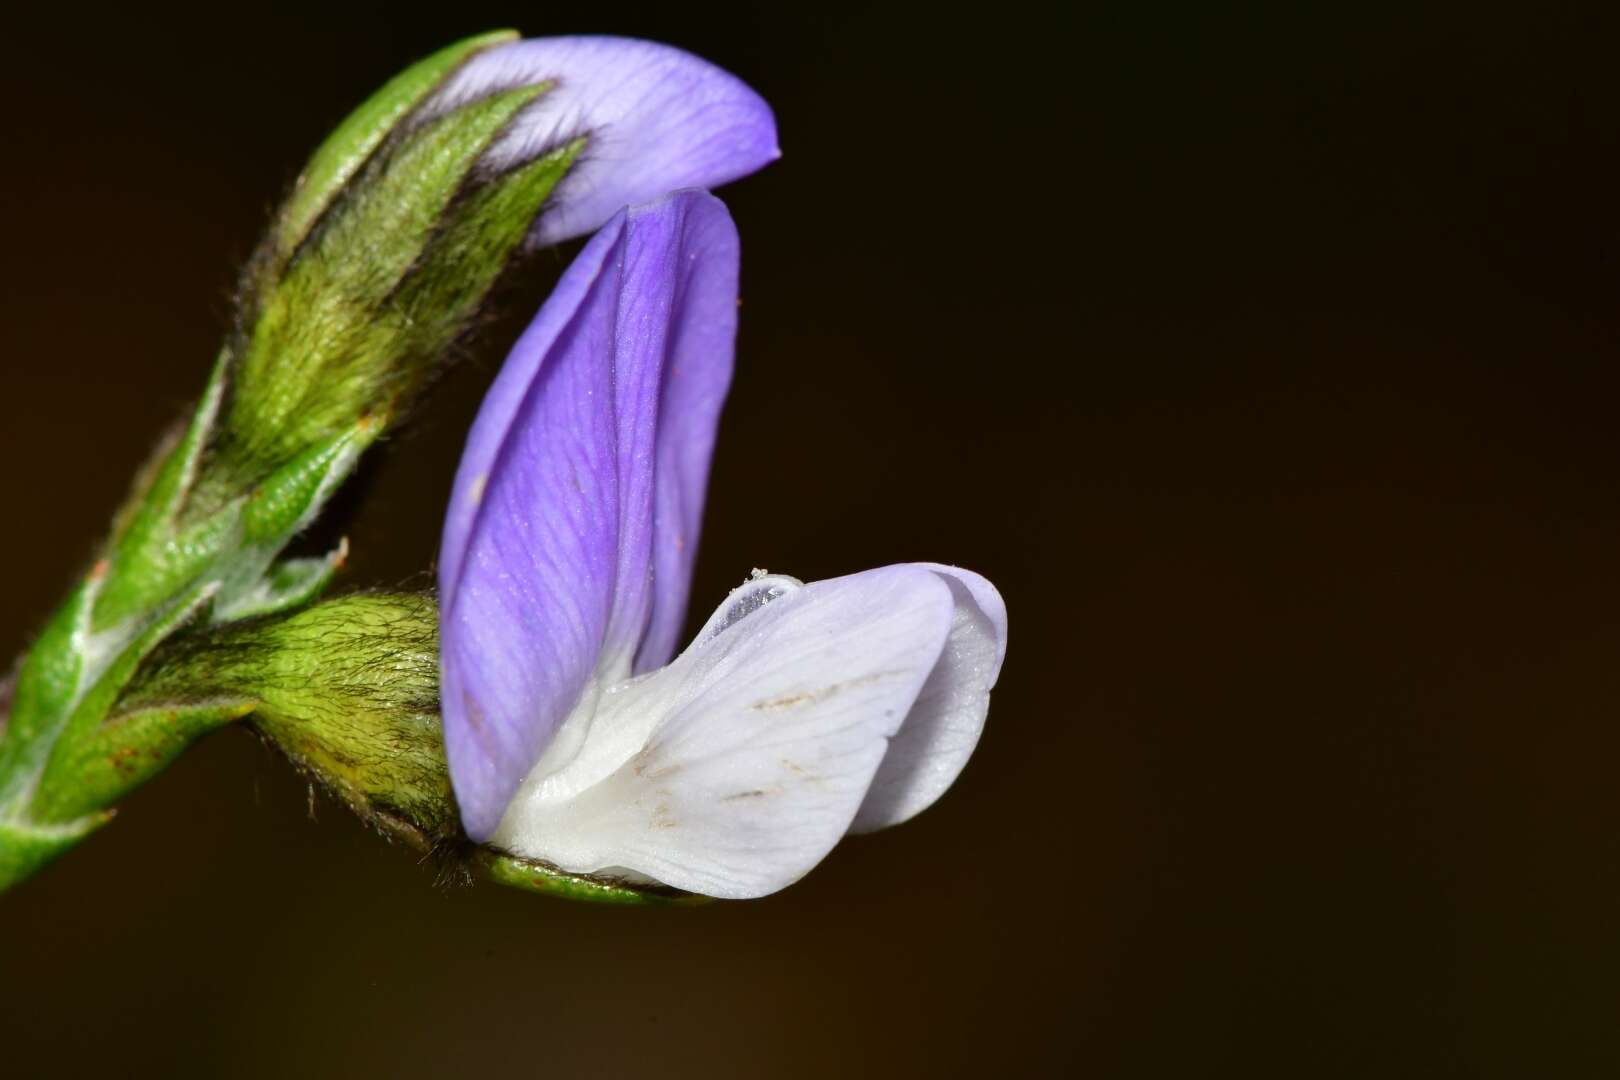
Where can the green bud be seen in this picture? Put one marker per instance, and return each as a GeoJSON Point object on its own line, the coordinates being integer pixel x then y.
{"type": "Point", "coordinates": [373, 268]}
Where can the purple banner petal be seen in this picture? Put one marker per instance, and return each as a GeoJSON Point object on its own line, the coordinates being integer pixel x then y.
{"type": "Point", "coordinates": [562, 543]}
{"type": "Point", "coordinates": [654, 119]}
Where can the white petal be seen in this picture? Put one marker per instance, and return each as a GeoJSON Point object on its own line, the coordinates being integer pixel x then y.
{"type": "Point", "coordinates": [611, 723]}
{"type": "Point", "coordinates": [939, 735]}
{"type": "Point", "coordinates": [746, 599]}
{"type": "Point", "coordinates": [761, 741]}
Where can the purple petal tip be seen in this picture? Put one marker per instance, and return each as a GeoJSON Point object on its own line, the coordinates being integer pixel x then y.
{"type": "Point", "coordinates": [654, 118]}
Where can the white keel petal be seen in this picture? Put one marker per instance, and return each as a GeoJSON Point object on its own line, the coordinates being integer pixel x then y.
{"type": "Point", "coordinates": [769, 734]}
{"type": "Point", "coordinates": [930, 750]}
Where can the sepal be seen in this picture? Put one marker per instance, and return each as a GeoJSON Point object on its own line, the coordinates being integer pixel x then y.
{"type": "Point", "coordinates": [347, 689]}
{"type": "Point", "coordinates": [348, 148]}
{"type": "Point", "coordinates": [537, 877]}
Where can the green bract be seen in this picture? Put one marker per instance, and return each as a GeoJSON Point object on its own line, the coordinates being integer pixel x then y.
{"type": "Point", "coordinates": [348, 688]}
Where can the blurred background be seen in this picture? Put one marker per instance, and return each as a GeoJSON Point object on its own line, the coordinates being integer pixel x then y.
{"type": "Point", "coordinates": [1264, 359]}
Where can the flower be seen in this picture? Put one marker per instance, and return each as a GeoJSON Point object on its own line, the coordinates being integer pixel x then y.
{"type": "Point", "coordinates": [406, 215]}
{"type": "Point", "coordinates": [799, 713]}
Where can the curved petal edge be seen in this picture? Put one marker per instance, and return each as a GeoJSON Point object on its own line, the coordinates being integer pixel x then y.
{"type": "Point", "coordinates": [769, 734]}
{"type": "Point", "coordinates": [653, 119]}
{"type": "Point", "coordinates": [930, 750]}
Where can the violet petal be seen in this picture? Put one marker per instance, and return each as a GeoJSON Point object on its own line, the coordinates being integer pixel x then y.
{"type": "Point", "coordinates": [554, 558]}
{"type": "Point", "coordinates": [654, 118]}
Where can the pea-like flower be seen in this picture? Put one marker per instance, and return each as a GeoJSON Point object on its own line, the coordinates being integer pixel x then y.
{"type": "Point", "coordinates": [798, 714]}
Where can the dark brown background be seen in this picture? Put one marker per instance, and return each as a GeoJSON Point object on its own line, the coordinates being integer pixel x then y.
{"type": "Point", "coordinates": [1263, 360]}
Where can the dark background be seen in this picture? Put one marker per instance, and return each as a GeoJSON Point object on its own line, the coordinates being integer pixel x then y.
{"type": "Point", "coordinates": [1264, 361]}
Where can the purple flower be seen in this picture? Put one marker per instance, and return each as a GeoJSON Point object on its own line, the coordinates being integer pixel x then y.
{"type": "Point", "coordinates": [799, 713]}
{"type": "Point", "coordinates": [652, 119]}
